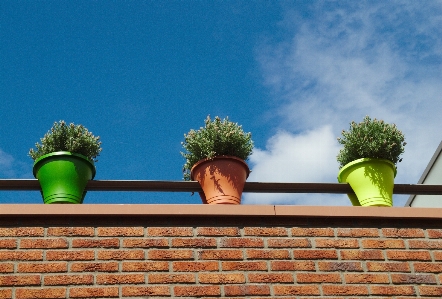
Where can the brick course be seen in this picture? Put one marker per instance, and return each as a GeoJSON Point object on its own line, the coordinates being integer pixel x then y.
{"type": "Point", "coordinates": [229, 257]}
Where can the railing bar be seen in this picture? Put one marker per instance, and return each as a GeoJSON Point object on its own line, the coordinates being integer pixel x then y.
{"type": "Point", "coordinates": [192, 186]}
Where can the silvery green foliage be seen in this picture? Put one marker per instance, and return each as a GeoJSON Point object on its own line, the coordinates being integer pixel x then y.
{"type": "Point", "coordinates": [217, 138]}
{"type": "Point", "coordinates": [72, 138]}
{"type": "Point", "coordinates": [371, 139]}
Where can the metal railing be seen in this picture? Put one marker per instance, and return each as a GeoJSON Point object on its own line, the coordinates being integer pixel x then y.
{"type": "Point", "coordinates": [193, 186]}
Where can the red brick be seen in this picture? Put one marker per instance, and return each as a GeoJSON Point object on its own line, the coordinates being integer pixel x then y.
{"type": "Point", "coordinates": [392, 290]}
{"type": "Point", "coordinates": [196, 291]}
{"type": "Point", "coordinates": [120, 231]}
{"type": "Point", "coordinates": [336, 243]}
{"type": "Point", "coordinates": [366, 278]}
{"type": "Point", "coordinates": [19, 280]}
{"type": "Point", "coordinates": [403, 233]}
{"type": "Point", "coordinates": [315, 254]}
{"type": "Point", "coordinates": [247, 290]}
{"type": "Point", "coordinates": [427, 244]}
{"type": "Point", "coordinates": [435, 233]}
{"type": "Point", "coordinates": [344, 290]}
{"type": "Point", "coordinates": [437, 255]}
{"type": "Point", "coordinates": [158, 254]}
{"type": "Point", "coordinates": [16, 255]}
{"type": "Point", "coordinates": [244, 266]}
{"type": "Point", "coordinates": [145, 243]}
{"type": "Point", "coordinates": [435, 291]}
{"type": "Point", "coordinates": [428, 267]}
{"type": "Point", "coordinates": [94, 267]}
{"type": "Point", "coordinates": [7, 294]}
{"type": "Point", "coordinates": [120, 278]}
{"type": "Point", "coordinates": [270, 277]}
{"type": "Point", "coordinates": [40, 293]}
{"type": "Point", "coordinates": [6, 268]}
{"type": "Point", "coordinates": [224, 254]}
{"type": "Point", "coordinates": [131, 291]}
{"type": "Point", "coordinates": [221, 278]}
{"type": "Point", "coordinates": [242, 242]}
{"type": "Point", "coordinates": [288, 243]}
{"type": "Point", "coordinates": [194, 266]}
{"type": "Point", "coordinates": [95, 243]}
{"type": "Point", "coordinates": [265, 231]}
{"type": "Point", "coordinates": [145, 266]}
{"type": "Point", "coordinates": [43, 243]}
{"type": "Point", "coordinates": [194, 242]}
{"type": "Point", "coordinates": [95, 292]}
{"type": "Point", "coordinates": [21, 231]}
{"type": "Point", "coordinates": [361, 254]}
{"type": "Point", "coordinates": [121, 255]}
{"type": "Point", "coordinates": [68, 255]}
{"type": "Point", "coordinates": [171, 278]}
{"type": "Point", "coordinates": [42, 267]}
{"type": "Point", "coordinates": [170, 231]}
{"type": "Point", "coordinates": [312, 232]}
{"type": "Point", "coordinates": [218, 231]}
{"type": "Point", "coordinates": [287, 290]}
{"type": "Point", "coordinates": [267, 254]}
{"type": "Point", "coordinates": [317, 278]}
{"type": "Point", "coordinates": [340, 266]}
{"type": "Point", "coordinates": [384, 243]}
{"type": "Point", "coordinates": [70, 231]}
{"type": "Point", "coordinates": [8, 244]}
{"type": "Point", "coordinates": [292, 265]}
{"type": "Point", "coordinates": [410, 255]}
{"type": "Point", "coordinates": [68, 279]}
{"type": "Point", "coordinates": [413, 278]}
{"type": "Point", "coordinates": [358, 232]}
{"type": "Point", "coordinates": [388, 267]}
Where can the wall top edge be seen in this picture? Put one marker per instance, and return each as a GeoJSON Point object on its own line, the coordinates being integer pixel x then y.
{"type": "Point", "coordinates": [94, 210]}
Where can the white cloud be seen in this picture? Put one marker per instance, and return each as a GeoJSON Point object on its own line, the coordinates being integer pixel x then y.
{"type": "Point", "coordinates": [295, 158]}
{"type": "Point", "coordinates": [289, 157]}
{"type": "Point", "coordinates": [346, 60]}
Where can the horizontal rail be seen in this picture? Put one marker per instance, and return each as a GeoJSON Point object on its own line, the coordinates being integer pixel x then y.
{"type": "Point", "coordinates": [193, 186]}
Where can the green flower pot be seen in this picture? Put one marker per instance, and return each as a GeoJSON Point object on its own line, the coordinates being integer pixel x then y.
{"type": "Point", "coordinates": [63, 176]}
{"type": "Point", "coordinates": [371, 179]}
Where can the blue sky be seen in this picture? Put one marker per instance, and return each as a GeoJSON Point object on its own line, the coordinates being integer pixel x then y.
{"type": "Point", "coordinates": [140, 74]}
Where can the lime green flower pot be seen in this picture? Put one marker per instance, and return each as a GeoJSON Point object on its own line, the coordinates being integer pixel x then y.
{"type": "Point", "coordinates": [63, 177]}
{"type": "Point", "coordinates": [372, 180]}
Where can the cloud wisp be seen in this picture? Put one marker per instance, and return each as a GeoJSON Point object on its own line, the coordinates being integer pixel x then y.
{"type": "Point", "coordinates": [12, 168]}
{"type": "Point", "coordinates": [345, 60]}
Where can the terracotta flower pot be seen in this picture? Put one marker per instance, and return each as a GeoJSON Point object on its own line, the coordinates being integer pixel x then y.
{"type": "Point", "coordinates": [222, 179]}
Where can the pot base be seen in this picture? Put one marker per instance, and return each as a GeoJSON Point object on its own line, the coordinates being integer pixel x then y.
{"type": "Point", "coordinates": [224, 199]}
{"type": "Point", "coordinates": [63, 198]}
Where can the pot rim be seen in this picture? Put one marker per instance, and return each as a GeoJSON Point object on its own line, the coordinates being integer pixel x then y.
{"type": "Point", "coordinates": [353, 163]}
{"type": "Point", "coordinates": [63, 153]}
{"type": "Point", "coordinates": [218, 158]}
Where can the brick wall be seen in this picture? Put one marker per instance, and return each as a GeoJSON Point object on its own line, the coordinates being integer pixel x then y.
{"type": "Point", "coordinates": [85, 255]}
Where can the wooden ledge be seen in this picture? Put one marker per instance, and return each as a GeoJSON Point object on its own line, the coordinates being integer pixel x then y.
{"type": "Point", "coordinates": [92, 210]}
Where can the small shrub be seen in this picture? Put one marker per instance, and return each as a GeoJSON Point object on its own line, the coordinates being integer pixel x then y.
{"type": "Point", "coordinates": [72, 138]}
{"type": "Point", "coordinates": [371, 139]}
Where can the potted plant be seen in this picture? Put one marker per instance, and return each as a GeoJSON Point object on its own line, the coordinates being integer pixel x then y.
{"type": "Point", "coordinates": [64, 162]}
{"type": "Point", "coordinates": [215, 157]}
{"type": "Point", "coordinates": [368, 161]}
